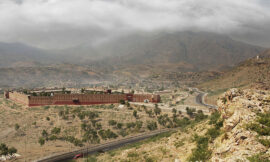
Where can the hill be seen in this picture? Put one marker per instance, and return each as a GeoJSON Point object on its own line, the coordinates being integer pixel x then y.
{"type": "Point", "coordinates": [254, 72]}
{"type": "Point", "coordinates": [44, 76]}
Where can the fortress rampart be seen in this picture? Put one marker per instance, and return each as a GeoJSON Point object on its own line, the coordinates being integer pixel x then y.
{"type": "Point", "coordinates": [79, 99]}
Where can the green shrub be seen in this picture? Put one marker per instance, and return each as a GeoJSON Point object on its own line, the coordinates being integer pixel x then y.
{"type": "Point", "coordinates": [214, 117]}
{"type": "Point", "coordinates": [107, 134]}
{"type": "Point", "coordinates": [258, 158]}
{"type": "Point", "coordinates": [263, 131]}
{"type": "Point", "coordinates": [179, 143]}
{"type": "Point", "coordinates": [119, 125]}
{"type": "Point", "coordinates": [123, 133]}
{"type": "Point", "coordinates": [17, 126]}
{"type": "Point", "coordinates": [135, 113]}
{"type": "Point", "coordinates": [265, 142]}
{"type": "Point", "coordinates": [130, 125]}
{"type": "Point", "coordinates": [201, 152]}
{"type": "Point", "coordinates": [41, 141]}
{"type": "Point", "coordinates": [213, 133]}
{"type": "Point", "coordinates": [56, 130]}
{"type": "Point", "coordinates": [190, 111]}
{"type": "Point", "coordinates": [152, 125]}
{"type": "Point", "coordinates": [132, 154]}
{"type": "Point", "coordinates": [44, 133]}
{"type": "Point", "coordinates": [112, 122]}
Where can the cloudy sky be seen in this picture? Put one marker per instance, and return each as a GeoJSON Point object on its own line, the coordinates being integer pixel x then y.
{"type": "Point", "coordinates": [66, 23]}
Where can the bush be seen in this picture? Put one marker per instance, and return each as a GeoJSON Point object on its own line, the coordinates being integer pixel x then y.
{"type": "Point", "coordinates": [157, 110]}
{"type": "Point", "coordinates": [44, 133]}
{"type": "Point", "coordinates": [91, 135]}
{"type": "Point", "coordinates": [130, 125]}
{"type": "Point", "coordinates": [17, 126]}
{"type": "Point", "coordinates": [179, 143]}
{"type": "Point", "coordinates": [265, 142]}
{"type": "Point", "coordinates": [174, 111]}
{"type": "Point", "coordinates": [123, 132]}
{"type": "Point", "coordinates": [48, 118]}
{"type": "Point", "coordinates": [52, 138]}
{"type": "Point", "coordinates": [152, 125]}
{"type": "Point", "coordinates": [119, 125]}
{"type": "Point", "coordinates": [12, 150]}
{"type": "Point", "coordinates": [258, 158]}
{"type": "Point", "coordinates": [122, 102]}
{"type": "Point", "coordinates": [165, 121]}
{"type": "Point", "coordinates": [135, 113]}
{"type": "Point", "coordinates": [199, 116]}
{"type": "Point", "coordinates": [107, 134]}
{"type": "Point", "coordinates": [56, 130]}
{"type": "Point", "coordinates": [112, 122]}
{"type": "Point", "coordinates": [41, 141]}
{"type": "Point", "coordinates": [4, 150]}
{"type": "Point", "coordinates": [214, 117]}
{"type": "Point", "coordinates": [213, 133]}
{"type": "Point", "coordinates": [190, 111]}
{"type": "Point", "coordinates": [182, 122]}
{"type": "Point", "coordinates": [139, 124]}
{"type": "Point", "coordinates": [201, 152]}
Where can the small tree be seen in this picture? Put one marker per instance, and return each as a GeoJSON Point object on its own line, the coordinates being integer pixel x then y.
{"type": "Point", "coordinates": [56, 130]}
{"type": "Point", "coordinates": [174, 110]}
{"type": "Point", "coordinates": [41, 141]}
{"type": "Point", "coordinates": [157, 110]}
{"type": "Point", "coordinates": [3, 149]}
{"type": "Point", "coordinates": [12, 151]}
{"type": "Point", "coordinates": [119, 125]}
{"type": "Point", "coordinates": [135, 113]}
{"type": "Point", "coordinates": [17, 126]}
{"type": "Point", "coordinates": [44, 133]}
{"type": "Point", "coordinates": [112, 122]}
{"type": "Point", "coordinates": [122, 102]}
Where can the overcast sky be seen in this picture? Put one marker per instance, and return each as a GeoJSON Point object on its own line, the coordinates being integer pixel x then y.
{"type": "Point", "coordinates": [65, 23]}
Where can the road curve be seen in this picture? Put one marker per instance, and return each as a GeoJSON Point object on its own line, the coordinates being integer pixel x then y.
{"type": "Point", "coordinates": [200, 99]}
{"type": "Point", "coordinates": [101, 147]}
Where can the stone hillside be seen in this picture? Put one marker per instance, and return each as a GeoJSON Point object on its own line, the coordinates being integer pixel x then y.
{"type": "Point", "coordinates": [245, 114]}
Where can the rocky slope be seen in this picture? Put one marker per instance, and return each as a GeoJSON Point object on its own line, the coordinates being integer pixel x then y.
{"type": "Point", "coordinates": [240, 108]}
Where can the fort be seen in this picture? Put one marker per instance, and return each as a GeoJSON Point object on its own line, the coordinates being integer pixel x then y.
{"type": "Point", "coordinates": [67, 98]}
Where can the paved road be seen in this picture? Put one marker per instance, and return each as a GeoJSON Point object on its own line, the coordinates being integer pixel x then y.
{"type": "Point", "coordinates": [101, 147]}
{"type": "Point", "coordinates": [200, 99]}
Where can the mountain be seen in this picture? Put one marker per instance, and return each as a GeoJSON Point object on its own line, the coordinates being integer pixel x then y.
{"type": "Point", "coordinates": [200, 50]}
{"type": "Point", "coordinates": [18, 54]}
{"type": "Point", "coordinates": [177, 56]}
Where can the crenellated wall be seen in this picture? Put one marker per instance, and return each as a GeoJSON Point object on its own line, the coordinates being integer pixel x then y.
{"type": "Point", "coordinates": [80, 99]}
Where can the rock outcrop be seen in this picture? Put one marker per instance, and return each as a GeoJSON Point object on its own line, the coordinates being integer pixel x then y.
{"type": "Point", "coordinates": [238, 108]}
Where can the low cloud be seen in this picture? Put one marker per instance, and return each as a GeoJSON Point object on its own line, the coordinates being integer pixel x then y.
{"type": "Point", "coordinates": [66, 23]}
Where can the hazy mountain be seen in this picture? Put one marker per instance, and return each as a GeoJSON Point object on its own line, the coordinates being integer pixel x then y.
{"type": "Point", "coordinates": [17, 54]}
{"type": "Point", "coordinates": [134, 56]}
{"type": "Point", "coordinates": [201, 50]}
